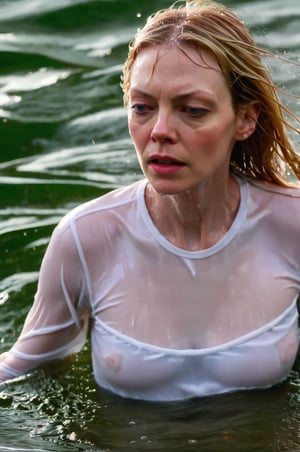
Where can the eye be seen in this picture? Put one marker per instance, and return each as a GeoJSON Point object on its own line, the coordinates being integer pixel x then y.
{"type": "Point", "coordinates": [195, 112]}
{"type": "Point", "coordinates": [140, 109]}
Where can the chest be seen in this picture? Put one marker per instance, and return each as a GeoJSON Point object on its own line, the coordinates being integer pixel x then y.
{"type": "Point", "coordinates": [170, 300]}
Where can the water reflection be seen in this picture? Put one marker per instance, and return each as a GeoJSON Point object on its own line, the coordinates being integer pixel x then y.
{"type": "Point", "coordinates": [72, 411]}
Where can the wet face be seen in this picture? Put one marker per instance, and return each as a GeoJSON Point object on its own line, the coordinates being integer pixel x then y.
{"type": "Point", "coordinates": [181, 118]}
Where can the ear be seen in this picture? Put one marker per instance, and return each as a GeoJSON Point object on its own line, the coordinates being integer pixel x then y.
{"type": "Point", "coordinates": [247, 118]}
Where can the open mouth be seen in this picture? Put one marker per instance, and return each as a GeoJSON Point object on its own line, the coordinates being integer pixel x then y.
{"type": "Point", "coordinates": [165, 161]}
{"type": "Point", "coordinates": [165, 165]}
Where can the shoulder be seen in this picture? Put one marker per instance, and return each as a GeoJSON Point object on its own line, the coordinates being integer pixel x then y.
{"type": "Point", "coordinates": [94, 224]}
{"type": "Point", "coordinates": [110, 202]}
{"type": "Point", "coordinates": [274, 191]}
{"type": "Point", "coordinates": [278, 205]}
{"type": "Point", "coordinates": [275, 196]}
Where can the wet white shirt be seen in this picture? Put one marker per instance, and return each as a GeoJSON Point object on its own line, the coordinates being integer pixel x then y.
{"type": "Point", "coordinates": [166, 323]}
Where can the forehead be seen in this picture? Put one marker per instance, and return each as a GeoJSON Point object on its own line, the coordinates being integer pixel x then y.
{"type": "Point", "coordinates": [170, 64]}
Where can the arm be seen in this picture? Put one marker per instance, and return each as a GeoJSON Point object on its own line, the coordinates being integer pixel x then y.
{"type": "Point", "coordinates": [57, 322]}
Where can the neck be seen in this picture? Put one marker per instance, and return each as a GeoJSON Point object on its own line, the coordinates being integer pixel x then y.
{"type": "Point", "coordinates": [196, 219]}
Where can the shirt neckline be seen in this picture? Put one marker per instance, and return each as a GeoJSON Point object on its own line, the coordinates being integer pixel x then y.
{"type": "Point", "coordinates": [222, 243]}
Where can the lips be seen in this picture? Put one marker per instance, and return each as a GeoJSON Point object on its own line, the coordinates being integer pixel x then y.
{"type": "Point", "coordinates": [164, 160]}
{"type": "Point", "coordinates": [164, 165]}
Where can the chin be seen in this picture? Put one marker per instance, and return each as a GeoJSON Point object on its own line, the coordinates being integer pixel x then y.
{"type": "Point", "coordinates": [168, 189]}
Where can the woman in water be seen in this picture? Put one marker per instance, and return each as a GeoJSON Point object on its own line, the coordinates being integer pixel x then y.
{"type": "Point", "coordinates": [188, 279]}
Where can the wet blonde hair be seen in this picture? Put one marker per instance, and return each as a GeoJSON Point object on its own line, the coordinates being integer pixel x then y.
{"type": "Point", "coordinates": [200, 24]}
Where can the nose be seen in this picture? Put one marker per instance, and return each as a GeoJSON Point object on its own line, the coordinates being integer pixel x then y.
{"type": "Point", "coordinates": [163, 130]}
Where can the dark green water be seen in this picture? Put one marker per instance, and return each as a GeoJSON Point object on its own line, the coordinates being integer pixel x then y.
{"type": "Point", "coordinates": [64, 140]}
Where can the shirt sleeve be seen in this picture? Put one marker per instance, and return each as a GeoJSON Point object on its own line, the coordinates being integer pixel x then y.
{"type": "Point", "coordinates": [57, 322]}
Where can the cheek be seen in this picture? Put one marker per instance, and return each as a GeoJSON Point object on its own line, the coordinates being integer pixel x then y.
{"type": "Point", "coordinates": [212, 146]}
{"type": "Point", "coordinates": [207, 140]}
{"type": "Point", "coordinates": [132, 126]}
{"type": "Point", "coordinates": [216, 138]}
{"type": "Point", "coordinates": [139, 134]}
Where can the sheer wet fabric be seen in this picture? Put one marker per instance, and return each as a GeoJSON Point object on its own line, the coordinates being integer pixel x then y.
{"type": "Point", "coordinates": [167, 323]}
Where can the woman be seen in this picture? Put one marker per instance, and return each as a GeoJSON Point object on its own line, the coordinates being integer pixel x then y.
{"type": "Point", "coordinates": [189, 278]}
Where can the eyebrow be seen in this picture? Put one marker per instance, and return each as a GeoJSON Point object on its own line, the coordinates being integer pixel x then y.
{"type": "Point", "coordinates": [208, 97]}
